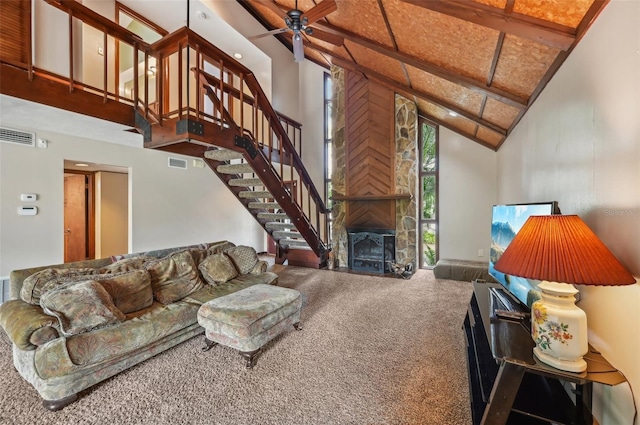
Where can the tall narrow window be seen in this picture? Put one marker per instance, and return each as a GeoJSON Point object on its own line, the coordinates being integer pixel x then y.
{"type": "Point", "coordinates": [428, 193]}
{"type": "Point", "coordinates": [328, 129]}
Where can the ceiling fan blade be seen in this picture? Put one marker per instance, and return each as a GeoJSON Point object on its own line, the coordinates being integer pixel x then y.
{"type": "Point", "coordinates": [319, 11]}
{"type": "Point", "coordinates": [336, 40]}
{"type": "Point", "coordinates": [273, 6]}
{"type": "Point", "coordinates": [298, 48]}
{"type": "Point", "coordinates": [272, 32]}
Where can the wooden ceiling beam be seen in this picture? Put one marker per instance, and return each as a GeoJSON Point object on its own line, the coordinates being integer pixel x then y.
{"type": "Point", "coordinates": [548, 33]}
{"type": "Point", "coordinates": [497, 94]}
{"type": "Point", "coordinates": [410, 92]}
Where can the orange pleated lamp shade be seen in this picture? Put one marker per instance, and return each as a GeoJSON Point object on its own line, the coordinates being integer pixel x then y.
{"type": "Point", "coordinates": [562, 248]}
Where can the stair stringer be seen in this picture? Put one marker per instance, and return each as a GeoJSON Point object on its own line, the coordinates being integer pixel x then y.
{"type": "Point", "coordinates": [274, 184]}
{"type": "Point", "coordinates": [264, 169]}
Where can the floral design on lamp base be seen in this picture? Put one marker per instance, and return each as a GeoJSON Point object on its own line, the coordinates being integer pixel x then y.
{"type": "Point", "coordinates": [559, 328]}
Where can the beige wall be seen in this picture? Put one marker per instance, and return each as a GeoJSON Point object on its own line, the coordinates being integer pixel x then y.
{"type": "Point", "coordinates": [168, 207]}
{"type": "Point", "coordinates": [580, 145]}
{"type": "Point", "coordinates": [467, 190]}
{"type": "Point", "coordinates": [111, 213]}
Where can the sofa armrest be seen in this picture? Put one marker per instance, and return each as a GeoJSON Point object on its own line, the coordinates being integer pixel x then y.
{"type": "Point", "coordinates": [260, 267]}
{"type": "Point", "coordinates": [21, 320]}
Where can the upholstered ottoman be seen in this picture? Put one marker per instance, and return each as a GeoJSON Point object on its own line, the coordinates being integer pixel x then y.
{"type": "Point", "coordinates": [246, 320]}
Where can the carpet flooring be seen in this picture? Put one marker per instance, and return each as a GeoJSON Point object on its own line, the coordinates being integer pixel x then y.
{"type": "Point", "coordinates": [373, 350]}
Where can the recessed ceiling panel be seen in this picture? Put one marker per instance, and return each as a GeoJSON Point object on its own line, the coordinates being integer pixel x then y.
{"type": "Point", "coordinates": [318, 57]}
{"type": "Point", "coordinates": [500, 4]}
{"type": "Point", "coordinates": [522, 64]}
{"type": "Point", "coordinates": [271, 17]}
{"type": "Point", "coordinates": [564, 12]}
{"type": "Point", "coordinates": [489, 136]}
{"type": "Point", "coordinates": [448, 92]}
{"type": "Point", "coordinates": [500, 114]}
{"type": "Point", "coordinates": [430, 110]}
{"type": "Point", "coordinates": [451, 43]}
{"type": "Point", "coordinates": [377, 62]}
{"type": "Point", "coordinates": [362, 17]}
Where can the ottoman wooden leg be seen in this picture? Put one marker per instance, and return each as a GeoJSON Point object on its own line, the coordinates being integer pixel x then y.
{"type": "Point", "coordinates": [298, 326]}
{"type": "Point", "coordinates": [209, 344]}
{"type": "Point", "coordinates": [250, 357]}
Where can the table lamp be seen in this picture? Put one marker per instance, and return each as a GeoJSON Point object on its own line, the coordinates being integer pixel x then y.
{"type": "Point", "coordinates": [561, 250]}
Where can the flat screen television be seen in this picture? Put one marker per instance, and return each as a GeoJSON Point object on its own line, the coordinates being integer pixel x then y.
{"type": "Point", "coordinates": [506, 221]}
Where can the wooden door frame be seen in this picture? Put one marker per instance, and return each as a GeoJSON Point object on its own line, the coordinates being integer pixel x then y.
{"type": "Point", "coordinates": [91, 210]}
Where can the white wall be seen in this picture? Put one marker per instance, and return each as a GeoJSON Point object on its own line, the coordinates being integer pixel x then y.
{"type": "Point", "coordinates": [580, 145]}
{"type": "Point", "coordinates": [312, 116]}
{"type": "Point", "coordinates": [467, 191]}
{"type": "Point", "coordinates": [168, 207]}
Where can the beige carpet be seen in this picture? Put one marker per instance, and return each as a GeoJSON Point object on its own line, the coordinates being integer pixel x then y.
{"type": "Point", "coordinates": [373, 350]}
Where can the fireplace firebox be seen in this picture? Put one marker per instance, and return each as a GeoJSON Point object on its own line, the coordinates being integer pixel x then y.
{"type": "Point", "coordinates": [371, 250]}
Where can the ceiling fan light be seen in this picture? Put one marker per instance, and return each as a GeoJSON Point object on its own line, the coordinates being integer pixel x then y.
{"type": "Point", "coordinates": [298, 48]}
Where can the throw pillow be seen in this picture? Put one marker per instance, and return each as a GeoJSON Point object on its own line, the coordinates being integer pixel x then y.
{"type": "Point", "coordinates": [174, 277]}
{"type": "Point", "coordinates": [130, 291]}
{"type": "Point", "coordinates": [81, 307]}
{"type": "Point", "coordinates": [217, 269]}
{"type": "Point", "coordinates": [32, 286]}
{"type": "Point", "coordinates": [244, 258]}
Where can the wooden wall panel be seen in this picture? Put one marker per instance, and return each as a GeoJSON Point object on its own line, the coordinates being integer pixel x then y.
{"type": "Point", "coordinates": [15, 37]}
{"type": "Point", "coordinates": [370, 152]}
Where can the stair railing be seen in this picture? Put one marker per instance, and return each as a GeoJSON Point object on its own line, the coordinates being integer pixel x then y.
{"type": "Point", "coordinates": [203, 84]}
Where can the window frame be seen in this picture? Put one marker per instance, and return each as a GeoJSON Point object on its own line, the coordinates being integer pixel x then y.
{"type": "Point", "coordinates": [422, 121]}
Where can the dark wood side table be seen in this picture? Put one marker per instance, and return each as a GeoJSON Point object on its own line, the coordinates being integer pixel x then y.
{"type": "Point", "coordinates": [507, 384]}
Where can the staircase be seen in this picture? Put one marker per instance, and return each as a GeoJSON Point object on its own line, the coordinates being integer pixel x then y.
{"type": "Point", "coordinates": [262, 204]}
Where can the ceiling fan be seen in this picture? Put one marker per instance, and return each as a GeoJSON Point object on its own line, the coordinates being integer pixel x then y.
{"type": "Point", "coordinates": [299, 23]}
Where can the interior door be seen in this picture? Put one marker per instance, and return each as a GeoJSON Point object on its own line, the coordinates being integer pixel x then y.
{"type": "Point", "coordinates": [75, 217]}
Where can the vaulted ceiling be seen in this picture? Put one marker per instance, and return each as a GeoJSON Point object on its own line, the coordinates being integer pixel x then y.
{"type": "Point", "coordinates": [474, 67]}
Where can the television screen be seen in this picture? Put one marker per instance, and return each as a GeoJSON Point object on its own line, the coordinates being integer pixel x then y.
{"type": "Point", "coordinates": [506, 221]}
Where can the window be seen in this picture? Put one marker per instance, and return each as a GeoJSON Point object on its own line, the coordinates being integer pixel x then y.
{"type": "Point", "coordinates": [428, 193]}
{"type": "Point", "coordinates": [328, 129]}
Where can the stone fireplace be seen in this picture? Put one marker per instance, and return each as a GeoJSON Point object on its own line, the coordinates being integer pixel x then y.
{"type": "Point", "coordinates": [371, 250]}
{"type": "Point", "coordinates": [350, 194]}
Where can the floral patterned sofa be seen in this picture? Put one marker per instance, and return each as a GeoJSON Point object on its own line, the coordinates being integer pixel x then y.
{"type": "Point", "coordinates": [75, 324]}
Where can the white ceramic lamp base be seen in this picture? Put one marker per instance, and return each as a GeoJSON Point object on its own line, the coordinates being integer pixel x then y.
{"type": "Point", "coordinates": [559, 328]}
{"type": "Point", "coordinates": [569, 365]}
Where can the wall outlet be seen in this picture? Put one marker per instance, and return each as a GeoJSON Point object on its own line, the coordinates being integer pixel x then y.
{"type": "Point", "coordinates": [481, 253]}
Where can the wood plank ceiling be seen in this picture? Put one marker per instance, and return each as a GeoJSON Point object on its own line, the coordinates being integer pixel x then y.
{"type": "Point", "coordinates": [474, 67]}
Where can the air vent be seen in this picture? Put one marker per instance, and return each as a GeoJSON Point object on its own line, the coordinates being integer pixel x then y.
{"type": "Point", "coordinates": [178, 163]}
{"type": "Point", "coordinates": [17, 137]}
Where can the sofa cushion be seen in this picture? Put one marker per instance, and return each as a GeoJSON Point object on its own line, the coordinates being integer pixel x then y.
{"type": "Point", "coordinates": [21, 320]}
{"type": "Point", "coordinates": [174, 277]}
{"type": "Point", "coordinates": [81, 307]}
{"type": "Point", "coordinates": [130, 291]}
{"type": "Point", "coordinates": [243, 257]}
{"type": "Point", "coordinates": [217, 269]}
{"type": "Point", "coordinates": [32, 287]}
